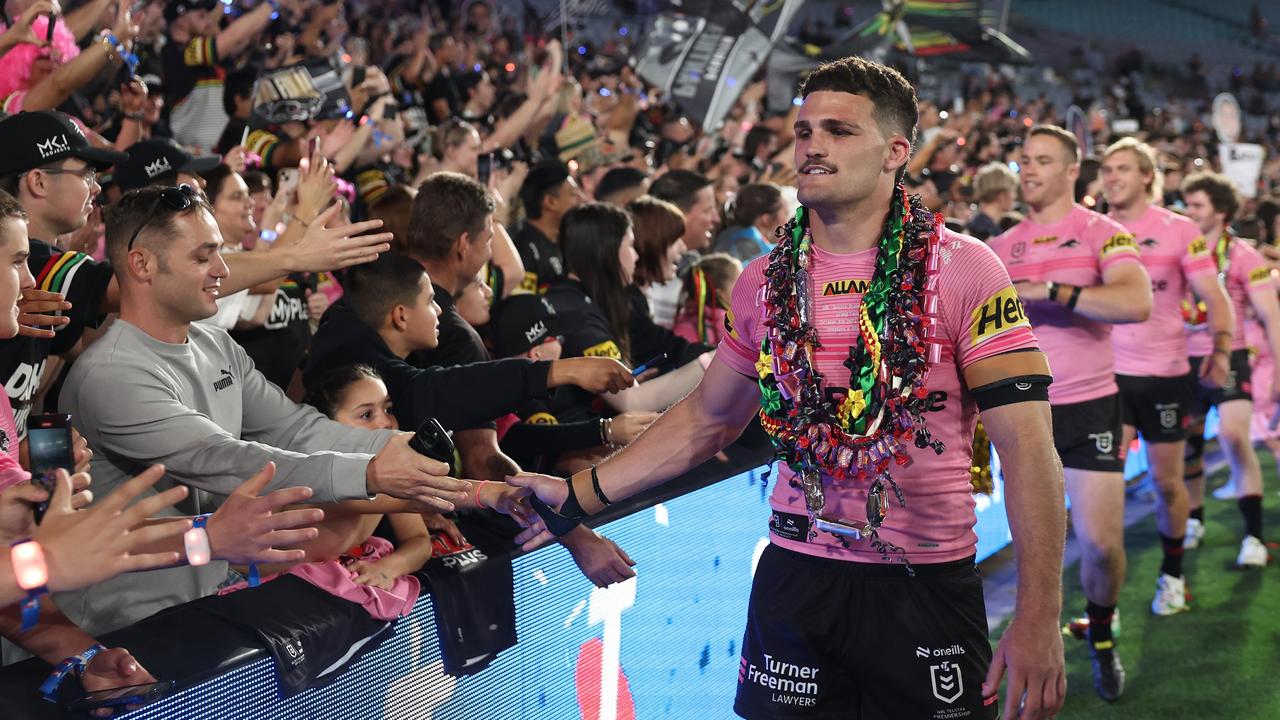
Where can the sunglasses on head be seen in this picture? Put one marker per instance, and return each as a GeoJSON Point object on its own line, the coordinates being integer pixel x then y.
{"type": "Point", "coordinates": [177, 199]}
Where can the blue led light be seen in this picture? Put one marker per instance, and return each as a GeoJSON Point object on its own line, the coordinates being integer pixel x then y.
{"type": "Point", "coordinates": [582, 49]}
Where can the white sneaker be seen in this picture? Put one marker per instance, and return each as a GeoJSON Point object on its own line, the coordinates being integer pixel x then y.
{"type": "Point", "coordinates": [1252, 553]}
{"type": "Point", "coordinates": [1195, 533]}
{"type": "Point", "coordinates": [1171, 595]}
{"type": "Point", "coordinates": [1226, 491]}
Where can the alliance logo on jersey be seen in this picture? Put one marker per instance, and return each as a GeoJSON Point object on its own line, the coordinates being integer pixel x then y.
{"type": "Point", "coordinates": [999, 314]}
{"type": "Point", "coordinates": [845, 287]}
{"type": "Point", "coordinates": [1120, 242]}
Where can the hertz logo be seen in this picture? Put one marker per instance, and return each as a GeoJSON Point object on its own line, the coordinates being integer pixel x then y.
{"type": "Point", "coordinates": [1260, 275]}
{"type": "Point", "coordinates": [999, 314]}
{"type": "Point", "coordinates": [845, 287]}
{"type": "Point", "coordinates": [1045, 239]}
{"type": "Point", "coordinates": [608, 349]}
{"type": "Point", "coordinates": [1120, 242]}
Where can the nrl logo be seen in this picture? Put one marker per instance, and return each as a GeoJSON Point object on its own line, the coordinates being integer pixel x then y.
{"type": "Point", "coordinates": [53, 146]}
{"type": "Point", "coordinates": [158, 168]}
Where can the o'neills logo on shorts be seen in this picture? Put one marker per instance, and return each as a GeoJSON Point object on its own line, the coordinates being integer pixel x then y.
{"type": "Point", "coordinates": [791, 684]}
{"type": "Point", "coordinates": [998, 314]}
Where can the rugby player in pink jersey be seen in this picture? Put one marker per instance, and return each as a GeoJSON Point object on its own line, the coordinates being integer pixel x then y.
{"type": "Point", "coordinates": [1212, 202]}
{"type": "Point", "coordinates": [1078, 272]}
{"type": "Point", "coordinates": [1156, 388]}
{"type": "Point", "coordinates": [863, 607]}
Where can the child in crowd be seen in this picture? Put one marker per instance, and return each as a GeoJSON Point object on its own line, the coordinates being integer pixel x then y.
{"type": "Point", "coordinates": [705, 298]}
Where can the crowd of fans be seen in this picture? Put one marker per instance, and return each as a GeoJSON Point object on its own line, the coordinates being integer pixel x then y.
{"type": "Point", "coordinates": [251, 241]}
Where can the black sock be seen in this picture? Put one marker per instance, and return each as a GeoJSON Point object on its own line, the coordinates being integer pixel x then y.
{"type": "Point", "coordinates": [1099, 622]}
{"type": "Point", "coordinates": [1171, 564]}
{"type": "Point", "coordinates": [1197, 514]}
{"type": "Point", "coordinates": [1251, 508]}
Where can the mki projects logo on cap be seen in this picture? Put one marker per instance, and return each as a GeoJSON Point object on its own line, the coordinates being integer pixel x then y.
{"type": "Point", "coordinates": [536, 331]}
{"type": "Point", "coordinates": [53, 146]}
{"type": "Point", "coordinates": [158, 168]}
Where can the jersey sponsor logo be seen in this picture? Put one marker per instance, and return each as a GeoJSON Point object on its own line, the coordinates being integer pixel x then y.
{"type": "Point", "coordinates": [1119, 243]}
{"type": "Point", "coordinates": [730, 327]}
{"type": "Point", "coordinates": [4, 441]}
{"type": "Point", "coordinates": [1072, 243]}
{"type": "Point", "coordinates": [1260, 275]}
{"type": "Point", "coordinates": [935, 401]}
{"type": "Point", "coordinates": [947, 681]}
{"type": "Point", "coordinates": [853, 286]}
{"type": "Point", "coordinates": [608, 349]}
{"type": "Point", "coordinates": [286, 311]}
{"type": "Point", "coordinates": [1198, 247]}
{"type": "Point", "coordinates": [997, 315]}
{"type": "Point", "coordinates": [1159, 285]}
{"type": "Point", "coordinates": [530, 282]}
{"type": "Point", "coordinates": [1044, 239]}
{"type": "Point", "coordinates": [1150, 242]}
{"type": "Point", "coordinates": [542, 418]}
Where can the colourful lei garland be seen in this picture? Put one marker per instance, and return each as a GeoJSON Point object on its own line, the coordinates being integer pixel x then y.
{"type": "Point", "coordinates": [857, 438]}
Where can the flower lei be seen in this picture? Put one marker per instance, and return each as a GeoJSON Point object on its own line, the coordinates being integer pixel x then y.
{"type": "Point", "coordinates": [860, 436]}
{"type": "Point", "coordinates": [1194, 312]}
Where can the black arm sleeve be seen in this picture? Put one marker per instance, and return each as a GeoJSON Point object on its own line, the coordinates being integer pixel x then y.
{"type": "Point", "coordinates": [533, 439]}
{"type": "Point", "coordinates": [463, 397]}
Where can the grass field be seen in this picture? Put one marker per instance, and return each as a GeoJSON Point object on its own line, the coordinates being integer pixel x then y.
{"type": "Point", "coordinates": [1221, 659]}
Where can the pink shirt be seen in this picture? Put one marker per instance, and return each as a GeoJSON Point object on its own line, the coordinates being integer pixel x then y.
{"type": "Point", "coordinates": [1173, 251]}
{"type": "Point", "coordinates": [11, 473]}
{"type": "Point", "coordinates": [1074, 251]}
{"type": "Point", "coordinates": [980, 316]}
{"type": "Point", "coordinates": [1247, 270]}
{"type": "Point", "coordinates": [687, 327]}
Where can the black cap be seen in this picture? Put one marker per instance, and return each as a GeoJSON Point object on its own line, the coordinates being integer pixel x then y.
{"type": "Point", "coordinates": [34, 139]}
{"type": "Point", "coordinates": [175, 9]}
{"type": "Point", "coordinates": [155, 158]}
{"type": "Point", "coordinates": [521, 322]}
{"type": "Point", "coordinates": [542, 179]}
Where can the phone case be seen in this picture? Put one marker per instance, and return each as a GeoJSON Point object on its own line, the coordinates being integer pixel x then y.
{"type": "Point", "coordinates": [432, 441]}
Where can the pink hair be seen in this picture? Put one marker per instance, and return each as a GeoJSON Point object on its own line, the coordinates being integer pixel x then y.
{"type": "Point", "coordinates": [15, 71]}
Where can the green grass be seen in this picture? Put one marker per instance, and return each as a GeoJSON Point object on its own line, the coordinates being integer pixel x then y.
{"type": "Point", "coordinates": [1221, 659]}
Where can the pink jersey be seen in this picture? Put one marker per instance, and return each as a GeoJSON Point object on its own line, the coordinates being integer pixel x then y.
{"type": "Point", "coordinates": [980, 317]}
{"type": "Point", "coordinates": [1073, 251]}
{"type": "Point", "coordinates": [1173, 251]}
{"type": "Point", "coordinates": [1246, 269]}
{"type": "Point", "coordinates": [11, 473]}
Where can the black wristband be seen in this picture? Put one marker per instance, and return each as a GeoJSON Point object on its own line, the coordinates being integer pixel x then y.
{"type": "Point", "coordinates": [563, 522]}
{"type": "Point", "coordinates": [1075, 297]}
{"type": "Point", "coordinates": [595, 485]}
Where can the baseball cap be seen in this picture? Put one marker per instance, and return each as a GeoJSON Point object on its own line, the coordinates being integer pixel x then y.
{"type": "Point", "coordinates": [34, 139]}
{"type": "Point", "coordinates": [152, 159]}
{"type": "Point", "coordinates": [521, 322]}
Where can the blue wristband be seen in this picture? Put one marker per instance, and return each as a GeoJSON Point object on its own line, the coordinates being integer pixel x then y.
{"type": "Point", "coordinates": [49, 688]}
{"type": "Point", "coordinates": [200, 521]}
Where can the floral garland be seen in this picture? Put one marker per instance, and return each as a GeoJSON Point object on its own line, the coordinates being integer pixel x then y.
{"type": "Point", "coordinates": [870, 428]}
{"type": "Point", "coordinates": [1194, 312]}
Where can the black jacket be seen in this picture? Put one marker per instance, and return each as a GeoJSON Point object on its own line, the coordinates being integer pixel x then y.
{"type": "Point", "coordinates": [460, 397]}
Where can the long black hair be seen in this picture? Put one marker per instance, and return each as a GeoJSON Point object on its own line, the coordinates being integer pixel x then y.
{"type": "Point", "coordinates": [590, 236]}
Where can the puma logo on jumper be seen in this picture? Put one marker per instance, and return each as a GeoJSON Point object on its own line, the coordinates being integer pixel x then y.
{"type": "Point", "coordinates": [224, 382]}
